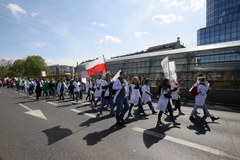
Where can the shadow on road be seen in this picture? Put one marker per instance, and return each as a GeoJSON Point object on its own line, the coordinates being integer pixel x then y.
{"type": "Point", "coordinates": [154, 135]}
{"type": "Point", "coordinates": [200, 125]}
{"type": "Point", "coordinates": [56, 134]}
{"type": "Point", "coordinates": [94, 120]}
{"type": "Point", "coordinates": [95, 137]}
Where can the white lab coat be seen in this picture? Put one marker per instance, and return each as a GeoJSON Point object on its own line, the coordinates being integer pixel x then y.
{"type": "Point", "coordinates": [98, 90]}
{"type": "Point", "coordinates": [60, 85]}
{"type": "Point", "coordinates": [200, 99]}
{"type": "Point", "coordinates": [175, 94]}
{"type": "Point", "coordinates": [103, 84]}
{"type": "Point", "coordinates": [77, 86]}
{"type": "Point", "coordinates": [117, 85]}
{"type": "Point", "coordinates": [135, 95]}
{"type": "Point", "coordinates": [87, 86]}
{"type": "Point", "coordinates": [146, 97]}
{"type": "Point", "coordinates": [163, 101]}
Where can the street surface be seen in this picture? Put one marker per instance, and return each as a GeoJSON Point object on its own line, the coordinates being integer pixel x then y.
{"type": "Point", "coordinates": [58, 130]}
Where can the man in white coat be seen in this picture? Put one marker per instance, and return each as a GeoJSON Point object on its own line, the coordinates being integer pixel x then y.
{"type": "Point", "coordinates": [200, 100]}
{"type": "Point", "coordinates": [121, 97]}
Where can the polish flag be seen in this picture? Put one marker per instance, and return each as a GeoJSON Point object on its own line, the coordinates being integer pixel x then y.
{"type": "Point", "coordinates": [96, 66]}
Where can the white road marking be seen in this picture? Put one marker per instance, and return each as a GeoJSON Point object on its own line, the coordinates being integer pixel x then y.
{"type": "Point", "coordinates": [27, 108]}
{"type": "Point", "coordinates": [186, 143]}
{"type": "Point", "coordinates": [36, 113]}
{"type": "Point", "coordinates": [52, 103]}
{"type": "Point", "coordinates": [15, 92]}
{"type": "Point", "coordinates": [87, 114]}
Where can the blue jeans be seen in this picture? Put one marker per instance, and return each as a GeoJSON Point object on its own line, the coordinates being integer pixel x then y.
{"type": "Point", "coordinates": [77, 96]}
{"type": "Point", "coordinates": [205, 109]}
{"type": "Point", "coordinates": [122, 107]}
{"type": "Point", "coordinates": [106, 101]}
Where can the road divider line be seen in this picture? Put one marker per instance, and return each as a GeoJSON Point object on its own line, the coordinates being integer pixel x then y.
{"type": "Point", "coordinates": [52, 103]}
{"type": "Point", "coordinates": [186, 143]}
{"type": "Point", "coordinates": [86, 114]}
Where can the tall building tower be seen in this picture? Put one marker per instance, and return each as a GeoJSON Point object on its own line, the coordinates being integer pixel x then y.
{"type": "Point", "coordinates": [223, 22]}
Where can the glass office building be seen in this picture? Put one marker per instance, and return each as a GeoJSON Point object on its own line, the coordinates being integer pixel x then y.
{"type": "Point", "coordinates": [220, 63]}
{"type": "Point", "coordinates": [223, 22]}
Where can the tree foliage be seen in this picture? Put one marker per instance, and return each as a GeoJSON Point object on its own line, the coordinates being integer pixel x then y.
{"type": "Point", "coordinates": [4, 67]}
{"type": "Point", "coordinates": [29, 67]}
{"type": "Point", "coordinates": [17, 69]}
{"type": "Point", "coordinates": [34, 65]}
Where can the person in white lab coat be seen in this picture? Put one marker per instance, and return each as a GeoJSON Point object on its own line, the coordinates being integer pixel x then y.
{"type": "Point", "coordinates": [200, 101]}
{"type": "Point", "coordinates": [135, 97]}
{"type": "Point", "coordinates": [164, 102]}
{"type": "Point", "coordinates": [176, 97]}
{"type": "Point", "coordinates": [146, 95]}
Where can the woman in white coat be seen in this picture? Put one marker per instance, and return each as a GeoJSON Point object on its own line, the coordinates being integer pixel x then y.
{"type": "Point", "coordinates": [135, 98]}
{"type": "Point", "coordinates": [200, 100]}
{"type": "Point", "coordinates": [176, 98]}
{"type": "Point", "coordinates": [146, 95]}
{"type": "Point", "coordinates": [164, 102]}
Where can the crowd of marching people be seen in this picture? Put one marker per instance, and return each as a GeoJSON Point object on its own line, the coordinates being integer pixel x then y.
{"type": "Point", "coordinates": [120, 94]}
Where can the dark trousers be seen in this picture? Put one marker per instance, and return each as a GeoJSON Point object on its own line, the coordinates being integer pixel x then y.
{"type": "Point", "coordinates": [61, 96]}
{"type": "Point", "coordinates": [88, 96]}
{"type": "Point", "coordinates": [140, 107]}
{"type": "Point", "coordinates": [177, 104]}
{"type": "Point", "coordinates": [169, 108]}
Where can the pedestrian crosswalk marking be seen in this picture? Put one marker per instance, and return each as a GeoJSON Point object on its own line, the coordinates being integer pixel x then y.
{"type": "Point", "coordinates": [186, 143]}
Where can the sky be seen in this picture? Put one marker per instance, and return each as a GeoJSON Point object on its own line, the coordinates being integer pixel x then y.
{"type": "Point", "coordinates": [69, 31]}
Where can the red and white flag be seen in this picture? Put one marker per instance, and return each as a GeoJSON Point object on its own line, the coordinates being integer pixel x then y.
{"type": "Point", "coordinates": [96, 66]}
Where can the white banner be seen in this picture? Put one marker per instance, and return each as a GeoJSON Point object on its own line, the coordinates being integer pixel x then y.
{"type": "Point", "coordinates": [172, 72]}
{"type": "Point", "coordinates": [116, 76]}
{"type": "Point", "coordinates": [43, 73]}
{"type": "Point", "coordinates": [165, 66]}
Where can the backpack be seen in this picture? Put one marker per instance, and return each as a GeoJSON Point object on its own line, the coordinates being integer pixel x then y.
{"type": "Point", "coordinates": [194, 91]}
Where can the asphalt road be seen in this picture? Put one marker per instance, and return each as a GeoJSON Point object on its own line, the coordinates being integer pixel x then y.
{"type": "Point", "coordinates": [59, 130]}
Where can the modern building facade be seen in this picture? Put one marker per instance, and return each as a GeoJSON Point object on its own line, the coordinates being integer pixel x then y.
{"type": "Point", "coordinates": [223, 22]}
{"type": "Point", "coordinates": [59, 70]}
{"type": "Point", "coordinates": [219, 63]}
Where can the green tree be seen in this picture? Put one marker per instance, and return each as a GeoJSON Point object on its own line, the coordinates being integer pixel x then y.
{"type": "Point", "coordinates": [4, 67]}
{"type": "Point", "coordinates": [34, 65]}
{"type": "Point", "coordinates": [17, 69]}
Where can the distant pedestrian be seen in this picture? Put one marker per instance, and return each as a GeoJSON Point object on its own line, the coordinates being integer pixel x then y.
{"type": "Point", "coordinates": [88, 89]}
{"type": "Point", "coordinates": [38, 90]}
{"type": "Point", "coordinates": [77, 88]}
{"type": "Point", "coordinates": [61, 87]}
{"type": "Point", "coordinates": [98, 92]}
{"type": "Point", "coordinates": [46, 88]}
{"type": "Point", "coordinates": [52, 88]}
{"type": "Point", "coordinates": [71, 90]}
